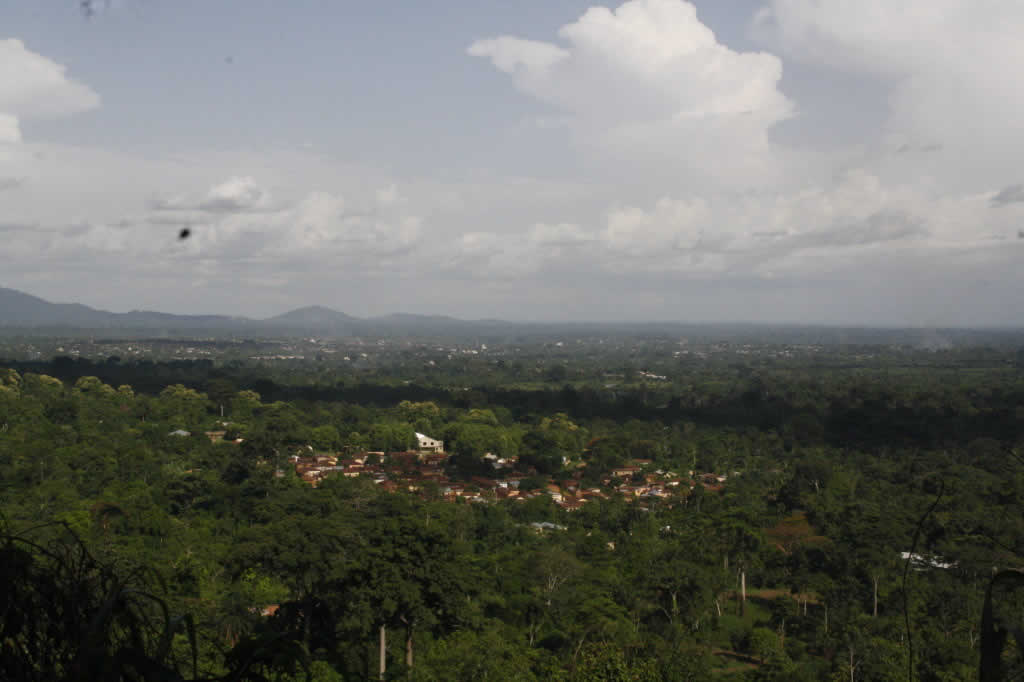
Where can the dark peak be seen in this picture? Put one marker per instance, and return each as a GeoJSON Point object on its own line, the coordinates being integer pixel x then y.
{"type": "Point", "coordinates": [314, 314]}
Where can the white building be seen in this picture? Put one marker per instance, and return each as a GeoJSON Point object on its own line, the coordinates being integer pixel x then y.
{"type": "Point", "coordinates": [428, 444]}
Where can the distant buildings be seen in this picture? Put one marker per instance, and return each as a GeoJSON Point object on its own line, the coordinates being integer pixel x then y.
{"type": "Point", "coordinates": [428, 444]}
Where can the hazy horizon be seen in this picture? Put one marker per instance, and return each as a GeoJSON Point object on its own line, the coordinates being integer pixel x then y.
{"type": "Point", "coordinates": [759, 161]}
{"type": "Point", "coordinates": [611, 323]}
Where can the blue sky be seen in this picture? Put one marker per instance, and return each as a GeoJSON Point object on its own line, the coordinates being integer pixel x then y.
{"type": "Point", "coordinates": [771, 160]}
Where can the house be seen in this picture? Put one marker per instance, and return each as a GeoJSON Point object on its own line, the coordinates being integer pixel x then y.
{"type": "Point", "coordinates": [428, 444]}
{"type": "Point", "coordinates": [434, 460]}
{"type": "Point", "coordinates": [484, 483]}
{"type": "Point", "coordinates": [180, 433]}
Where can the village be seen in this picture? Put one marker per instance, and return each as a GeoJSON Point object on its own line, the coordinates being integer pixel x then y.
{"type": "Point", "coordinates": [425, 471]}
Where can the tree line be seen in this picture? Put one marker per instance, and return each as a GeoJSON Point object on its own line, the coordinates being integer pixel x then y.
{"type": "Point", "coordinates": [855, 535]}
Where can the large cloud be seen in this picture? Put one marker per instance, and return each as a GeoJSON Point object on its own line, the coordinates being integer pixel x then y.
{"type": "Point", "coordinates": [648, 82]}
{"type": "Point", "coordinates": [32, 86]}
{"type": "Point", "coordinates": [949, 66]}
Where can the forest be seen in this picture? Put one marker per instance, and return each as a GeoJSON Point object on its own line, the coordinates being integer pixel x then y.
{"type": "Point", "coordinates": [598, 514]}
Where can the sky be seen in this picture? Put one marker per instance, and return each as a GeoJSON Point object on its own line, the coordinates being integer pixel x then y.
{"type": "Point", "coordinates": [781, 161]}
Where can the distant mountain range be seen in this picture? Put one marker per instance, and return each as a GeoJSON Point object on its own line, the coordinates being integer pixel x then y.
{"type": "Point", "coordinates": [22, 313]}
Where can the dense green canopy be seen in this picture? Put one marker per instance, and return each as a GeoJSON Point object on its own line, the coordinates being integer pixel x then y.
{"type": "Point", "coordinates": [798, 522]}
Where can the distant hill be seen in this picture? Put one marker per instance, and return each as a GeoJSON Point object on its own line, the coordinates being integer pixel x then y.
{"type": "Point", "coordinates": [18, 309]}
{"type": "Point", "coordinates": [21, 312]}
{"type": "Point", "coordinates": [312, 317]}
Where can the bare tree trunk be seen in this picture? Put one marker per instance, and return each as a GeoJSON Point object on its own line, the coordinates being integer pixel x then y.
{"type": "Point", "coordinates": [408, 647]}
{"type": "Point", "coordinates": [383, 650]}
{"type": "Point", "coordinates": [826, 618]}
{"type": "Point", "coordinates": [578, 647]}
{"type": "Point", "coordinates": [718, 607]}
{"type": "Point", "coordinates": [743, 592]}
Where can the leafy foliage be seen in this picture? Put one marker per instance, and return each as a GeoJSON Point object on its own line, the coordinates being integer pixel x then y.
{"type": "Point", "coordinates": [779, 552]}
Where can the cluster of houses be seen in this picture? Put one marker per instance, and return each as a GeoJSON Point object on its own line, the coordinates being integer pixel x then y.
{"type": "Point", "coordinates": [424, 470]}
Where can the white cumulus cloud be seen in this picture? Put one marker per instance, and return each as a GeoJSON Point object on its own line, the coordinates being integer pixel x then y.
{"type": "Point", "coordinates": [648, 81]}
{"type": "Point", "coordinates": [33, 86]}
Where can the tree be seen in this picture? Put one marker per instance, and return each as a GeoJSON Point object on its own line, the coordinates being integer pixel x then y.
{"type": "Point", "coordinates": [325, 437]}
{"type": "Point", "coordinates": [599, 662]}
{"type": "Point", "coordinates": [541, 449]}
{"type": "Point", "coordinates": [764, 644]}
{"type": "Point", "coordinates": [221, 391]}
{"type": "Point", "coordinates": [181, 407]}
{"type": "Point", "coordinates": [491, 654]}
{"type": "Point", "coordinates": [407, 575]}
{"type": "Point", "coordinates": [557, 374]}
{"type": "Point", "coordinates": [390, 436]}
{"type": "Point", "coordinates": [69, 617]}
{"type": "Point", "coordinates": [244, 405]}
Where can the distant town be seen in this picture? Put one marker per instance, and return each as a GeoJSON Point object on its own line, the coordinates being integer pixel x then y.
{"type": "Point", "coordinates": [423, 471]}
